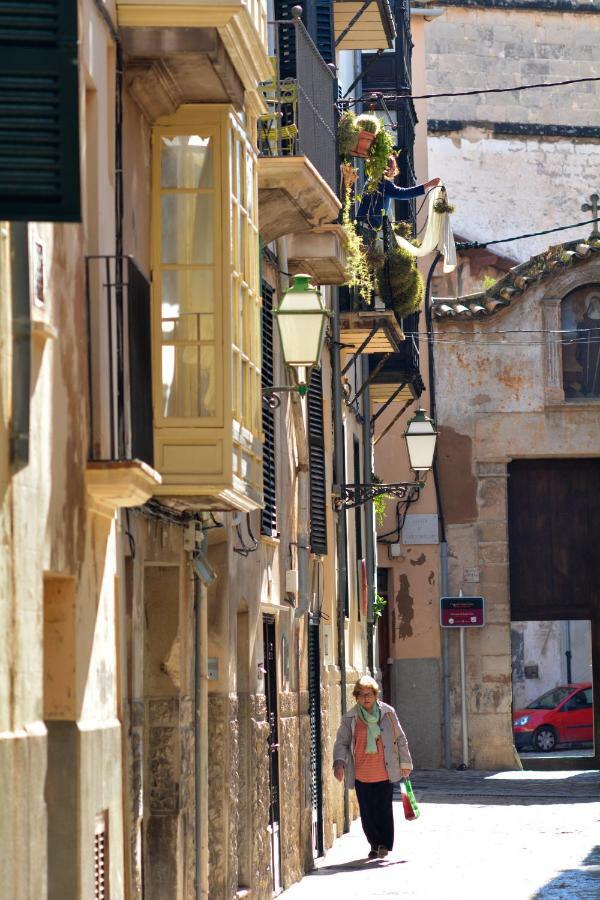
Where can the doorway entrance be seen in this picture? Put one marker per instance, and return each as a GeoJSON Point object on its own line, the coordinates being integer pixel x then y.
{"type": "Point", "coordinates": [270, 664]}
{"type": "Point", "coordinates": [553, 524]}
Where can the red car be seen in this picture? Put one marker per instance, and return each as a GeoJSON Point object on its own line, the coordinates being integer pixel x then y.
{"type": "Point", "coordinates": [564, 715]}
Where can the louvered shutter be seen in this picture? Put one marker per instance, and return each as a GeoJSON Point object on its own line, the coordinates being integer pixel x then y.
{"type": "Point", "coordinates": [316, 444]}
{"type": "Point", "coordinates": [318, 21]}
{"type": "Point", "coordinates": [39, 123]}
{"type": "Point", "coordinates": [268, 524]}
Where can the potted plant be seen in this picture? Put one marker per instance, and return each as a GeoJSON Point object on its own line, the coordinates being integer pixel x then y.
{"type": "Point", "coordinates": [377, 160]}
{"type": "Point", "coordinates": [405, 282]}
{"type": "Point", "coordinates": [357, 133]}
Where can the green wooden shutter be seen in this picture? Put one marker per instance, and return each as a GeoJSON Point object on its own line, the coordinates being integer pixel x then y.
{"type": "Point", "coordinates": [39, 123]}
{"type": "Point", "coordinates": [316, 449]}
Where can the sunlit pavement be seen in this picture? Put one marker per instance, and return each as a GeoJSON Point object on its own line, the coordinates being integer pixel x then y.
{"type": "Point", "coordinates": [517, 835]}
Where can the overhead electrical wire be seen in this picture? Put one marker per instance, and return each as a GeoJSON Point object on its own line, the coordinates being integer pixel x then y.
{"type": "Point", "coordinates": [376, 96]}
{"type": "Point", "coordinates": [477, 245]}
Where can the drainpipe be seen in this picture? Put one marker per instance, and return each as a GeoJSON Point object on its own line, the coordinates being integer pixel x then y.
{"type": "Point", "coordinates": [370, 546]}
{"type": "Point", "coordinates": [446, 716]}
{"type": "Point", "coordinates": [204, 576]}
{"type": "Point", "coordinates": [302, 464]}
{"type": "Point", "coordinates": [341, 535]}
{"type": "Point", "coordinates": [21, 354]}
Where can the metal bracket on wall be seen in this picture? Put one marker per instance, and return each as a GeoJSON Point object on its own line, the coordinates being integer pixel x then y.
{"type": "Point", "coordinates": [349, 496]}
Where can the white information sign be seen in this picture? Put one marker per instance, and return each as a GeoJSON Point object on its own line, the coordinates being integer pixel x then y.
{"type": "Point", "coordinates": [421, 529]}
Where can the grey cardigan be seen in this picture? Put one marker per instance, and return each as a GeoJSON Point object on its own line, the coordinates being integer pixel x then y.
{"type": "Point", "coordinates": [395, 746]}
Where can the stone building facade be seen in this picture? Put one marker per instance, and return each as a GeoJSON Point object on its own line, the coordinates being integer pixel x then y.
{"type": "Point", "coordinates": [157, 637]}
{"type": "Point", "coordinates": [522, 161]}
{"type": "Point", "coordinates": [503, 360]}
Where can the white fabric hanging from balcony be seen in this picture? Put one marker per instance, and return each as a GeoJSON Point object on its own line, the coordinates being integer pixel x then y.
{"type": "Point", "coordinates": [438, 234]}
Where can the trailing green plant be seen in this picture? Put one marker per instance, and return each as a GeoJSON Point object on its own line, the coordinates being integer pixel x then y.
{"type": "Point", "coordinates": [441, 205]}
{"type": "Point", "coordinates": [488, 282]}
{"type": "Point", "coordinates": [379, 604]}
{"type": "Point", "coordinates": [369, 122]}
{"type": "Point", "coordinates": [403, 229]}
{"type": "Point", "coordinates": [380, 502]}
{"type": "Point", "coordinates": [347, 132]}
{"type": "Point", "coordinates": [359, 273]}
{"type": "Point", "coordinates": [377, 161]}
{"type": "Point", "coordinates": [405, 281]}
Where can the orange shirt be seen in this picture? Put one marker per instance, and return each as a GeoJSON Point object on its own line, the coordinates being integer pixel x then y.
{"type": "Point", "coordinates": [368, 766]}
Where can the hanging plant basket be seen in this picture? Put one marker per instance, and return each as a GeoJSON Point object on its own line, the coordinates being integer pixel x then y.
{"type": "Point", "coordinates": [363, 144]}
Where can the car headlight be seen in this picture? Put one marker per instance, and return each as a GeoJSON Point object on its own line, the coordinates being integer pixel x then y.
{"type": "Point", "coordinates": [522, 721]}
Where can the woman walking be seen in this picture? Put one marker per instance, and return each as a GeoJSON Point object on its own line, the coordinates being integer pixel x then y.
{"type": "Point", "coordinates": [371, 752]}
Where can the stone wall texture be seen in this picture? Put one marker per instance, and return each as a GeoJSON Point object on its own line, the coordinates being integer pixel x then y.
{"type": "Point", "coordinates": [512, 185]}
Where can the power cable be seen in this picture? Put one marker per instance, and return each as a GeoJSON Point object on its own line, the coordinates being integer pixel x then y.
{"type": "Point", "coordinates": [479, 245]}
{"type": "Point", "coordinates": [377, 96]}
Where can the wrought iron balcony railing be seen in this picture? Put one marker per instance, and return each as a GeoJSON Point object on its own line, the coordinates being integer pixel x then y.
{"type": "Point", "coordinates": [119, 360]}
{"type": "Point", "coordinates": [301, 100]}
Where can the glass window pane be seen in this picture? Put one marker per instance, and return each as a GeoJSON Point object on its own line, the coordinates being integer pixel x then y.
{"type": "Point", "coordinates": [188, 379]}
{"type": "Point", "coordinates": [187, 228]}
{"type": "Point", "coordinates": [186, 162]}
{"type": "Point", "coordinates": [187, 291]}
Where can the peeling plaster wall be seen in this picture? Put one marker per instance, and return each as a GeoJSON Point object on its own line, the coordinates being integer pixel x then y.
{"type": "Point", "coordinates": [511, 184]}
{"type": "Point", "coordinates": [503, 403]}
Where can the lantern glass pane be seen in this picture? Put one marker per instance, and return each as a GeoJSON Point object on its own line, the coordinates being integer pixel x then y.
{"type": "Point", "coordinates": [421, 449]}
{"type": "Point", "coordinates": [300, 318]}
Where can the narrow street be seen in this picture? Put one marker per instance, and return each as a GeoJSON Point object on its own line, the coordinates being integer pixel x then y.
{"type": "Point", "coordinates": [518, 835]}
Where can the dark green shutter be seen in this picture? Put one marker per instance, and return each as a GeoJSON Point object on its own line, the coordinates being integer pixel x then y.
{"type": "Point", "coordinates": [316, 448]}
{"type": "Point", "coordinates": [268, 520]}
{"type": "Point", "coordinates": [39, 123]}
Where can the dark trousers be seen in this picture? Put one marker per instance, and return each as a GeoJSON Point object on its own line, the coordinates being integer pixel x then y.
{"type": "Point", "coordinates": [376, 813]}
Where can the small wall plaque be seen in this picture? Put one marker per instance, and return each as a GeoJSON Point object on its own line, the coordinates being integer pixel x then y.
{"type": "Point", "coordinates": [471, 575]}
{"type": "Point", "coordinates": [532, 672]}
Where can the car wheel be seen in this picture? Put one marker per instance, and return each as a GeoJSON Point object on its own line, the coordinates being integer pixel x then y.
{"type": "Point", "coordinates": [544, 739]}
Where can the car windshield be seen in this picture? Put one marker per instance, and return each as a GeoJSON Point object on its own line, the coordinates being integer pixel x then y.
{"type": "Point", "coordinates": [551, 699]}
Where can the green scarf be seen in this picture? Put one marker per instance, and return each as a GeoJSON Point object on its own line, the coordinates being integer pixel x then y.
{"type": "Point", "coordinates": [371, 720]}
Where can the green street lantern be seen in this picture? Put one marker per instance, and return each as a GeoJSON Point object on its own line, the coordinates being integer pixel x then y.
{"type": "Point", "coordinates": [301, 318]}
{"type": "Point", "coordinates": [420, 437]}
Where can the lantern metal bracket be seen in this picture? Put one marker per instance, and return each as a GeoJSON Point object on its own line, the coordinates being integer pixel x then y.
{"type": "Point", "coordinates": [349, 496]}
{"type": "Point", "coordinates": [270, 393]}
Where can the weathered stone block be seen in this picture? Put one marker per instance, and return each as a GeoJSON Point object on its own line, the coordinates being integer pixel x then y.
{"type": "Point", "coordinates": [496, 552]}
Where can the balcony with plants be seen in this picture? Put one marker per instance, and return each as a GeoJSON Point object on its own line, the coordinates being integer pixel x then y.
{"type": "Point", "coordinates": [381, 300]}
{"type": "Point", "coordinates": [297, 167]}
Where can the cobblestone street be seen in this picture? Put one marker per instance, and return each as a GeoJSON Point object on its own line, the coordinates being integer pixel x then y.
{"type": "Point", "coordinates": [517, 835]}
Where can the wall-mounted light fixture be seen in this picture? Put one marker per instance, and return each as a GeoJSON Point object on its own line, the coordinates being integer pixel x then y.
{"type": "Point", "coordinates": [301, 318]}
{"type": "Point", "coordinates": [421, 438]}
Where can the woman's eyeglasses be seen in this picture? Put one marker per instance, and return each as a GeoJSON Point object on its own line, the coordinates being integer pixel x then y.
{"type": "Point", "coordinates": [365, 694]}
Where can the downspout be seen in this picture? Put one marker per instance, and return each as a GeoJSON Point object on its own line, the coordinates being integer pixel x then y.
{"type": "Point", "coordinates": [446, 715]}
{"type": "Point", "coordinates": [203, 578]}
{"type": "Point", "coordinates": [341, 536]}
{"type": "Point", "coordinates": [302, 464]}
{"type": "Point", "coordinates": [370, 545]}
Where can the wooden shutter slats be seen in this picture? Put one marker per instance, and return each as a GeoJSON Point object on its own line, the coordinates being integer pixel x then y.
{"type": "Point", "coordinates": [39, 126]}
{"type": "Point", "coordinates": [268, 524]}
{"type": "Point", "coordinates": [318, 481]}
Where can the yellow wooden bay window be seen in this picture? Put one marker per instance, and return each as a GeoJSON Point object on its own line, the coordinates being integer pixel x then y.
{"type": "Point", "coordinates": [206, 310]}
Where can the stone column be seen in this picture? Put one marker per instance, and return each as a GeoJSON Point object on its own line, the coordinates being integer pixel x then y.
{"type": "Point", "coordinates": [553, 379]}
{"type": "Point", "coordinates": [489, 679]}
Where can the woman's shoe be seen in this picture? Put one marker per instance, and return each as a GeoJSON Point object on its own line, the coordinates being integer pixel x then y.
{"type": "Point", "coordinates": [373, 854]}
{"type": "Point", "coordinates": [382, 851]}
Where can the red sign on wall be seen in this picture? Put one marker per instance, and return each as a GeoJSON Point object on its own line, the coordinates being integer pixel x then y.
{"type": "Point", "coordinates": [462, 612]}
